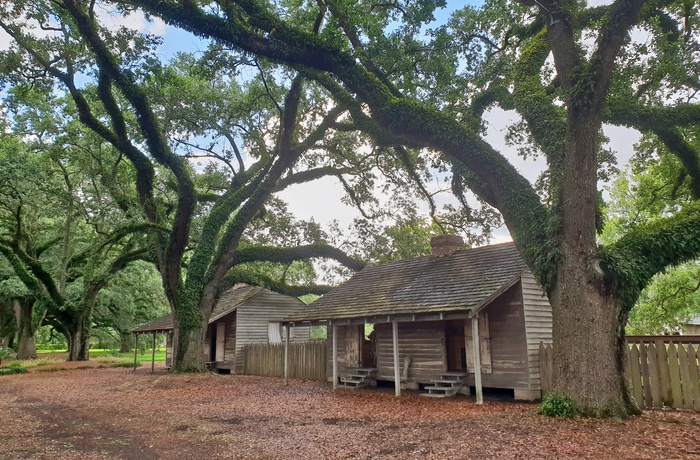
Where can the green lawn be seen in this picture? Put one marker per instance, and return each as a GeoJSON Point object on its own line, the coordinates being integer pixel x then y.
{"type": "Point", "coordinates": [140, 357]}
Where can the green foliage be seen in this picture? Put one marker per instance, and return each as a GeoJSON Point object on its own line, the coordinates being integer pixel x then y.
{"type": "Point", "coordinates": [318, 333]}
{"type": "Point", "coordinates": [554, 405]}
{"type": "Point", "coordinates": [11, 369]}
{"type": "Point", "coordinates": [668, 302]}
{"type": "Point", "coordinates": [117, 361]}
{"type": "Point", "coordinates": [4, 353]}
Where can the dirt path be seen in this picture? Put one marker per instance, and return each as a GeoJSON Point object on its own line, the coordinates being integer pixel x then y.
{"type": "Point", "coordinates": [121, 414]}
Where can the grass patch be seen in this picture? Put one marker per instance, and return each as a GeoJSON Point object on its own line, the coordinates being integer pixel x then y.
{"type": "Point", "coordinates": [101, 352]}
{"type": "Point", "coordinates": [29, 363]}
{"type": "Point", "coordinates": [12, 369]}
{"type": "Point", "coordinates": [51, 369]}
{"type": "Point", "coordinates": [116, 361]}
{"type": "Point", "coordinates": [140, 357]}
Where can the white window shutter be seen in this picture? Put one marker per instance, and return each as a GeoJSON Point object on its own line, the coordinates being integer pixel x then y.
{"type": "Point", "coordinates": [274, 332]}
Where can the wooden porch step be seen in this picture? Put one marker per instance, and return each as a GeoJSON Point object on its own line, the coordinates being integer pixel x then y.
{"type": "Point", "coordinates": [357, 377]}
{"type": "Point", "coordinates": [437, 392]}
{"type": "Point", "coordinates": [362, 370]}
{"type": "Point", "coordinates": [446, 386]}
{"type": "Point", "coordinates": [447, 382]}
{"type": "Point", "coordinates": [453, 376]}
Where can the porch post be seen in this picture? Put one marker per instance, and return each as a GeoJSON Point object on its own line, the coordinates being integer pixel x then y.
{"type": "Point", "coordinates": [477, 359]}
{"type": "Point", "coordinates": [397, 373]}
{"type": "Point", "coordinates": [335, 357]}
{"type": "Point", "coordinates": [153, 354]}
{"type": "Point", "coordinates": [286, 354]}
{"type": "Point", "coordinates": [136, 347]}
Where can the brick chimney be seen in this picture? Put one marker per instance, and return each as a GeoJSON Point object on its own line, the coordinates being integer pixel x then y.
{"type": "Point", "coordinates": [444, 245]}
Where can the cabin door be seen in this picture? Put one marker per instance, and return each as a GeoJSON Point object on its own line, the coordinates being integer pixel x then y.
{"type": "Point", "coordinates": [353, 345]}
{"type": "Point", "coordinates": [220, 340]}
{"type": "Point", "coordinates": [455, 352]}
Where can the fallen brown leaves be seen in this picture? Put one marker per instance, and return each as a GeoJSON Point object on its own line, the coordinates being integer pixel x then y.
{"type": "Point", "coordinates": [118, 413]}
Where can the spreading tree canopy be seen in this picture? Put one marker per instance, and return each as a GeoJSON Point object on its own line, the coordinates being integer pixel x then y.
{"type": "Point", "coordinates": [210, 140]}
{"type": "Point", "coordinates": [563, 67]}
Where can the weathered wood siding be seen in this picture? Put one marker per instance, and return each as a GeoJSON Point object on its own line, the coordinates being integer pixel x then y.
{"type": "Point", "coordinates": [230, 345]}
{"type": "Point", "coordinates": [345, 333]}
{"type": "Point", "coordinates": [229, 358]}
{"type": "Point", "coordinates": [169, 349]}
{"type": "Point", "coordinates": [423, 342]}
{"type": "Point", "coordinates": [508, 351]}
{"type": "Point", "coordinates": [538, 325]}
{"type": "Point", "coordinates": [253, 317]}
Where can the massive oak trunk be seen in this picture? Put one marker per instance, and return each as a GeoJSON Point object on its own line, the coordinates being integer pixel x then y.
{"type": "Point", "coordinates": [589, 344]}
{"type": "Point", "coordinates": [77, 334]}
{"type": "Point", "coordinates": [588, 325]}
{"type": "Point", "coordinates": [188, 352]}
{"type": "Point", "coordinates": [26, 348]}
{"type": "Point", "coordinates": [125, 341]}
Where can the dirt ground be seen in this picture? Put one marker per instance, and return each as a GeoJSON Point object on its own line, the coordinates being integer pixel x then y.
{"type": "Point", "coordinates": [117, 413]}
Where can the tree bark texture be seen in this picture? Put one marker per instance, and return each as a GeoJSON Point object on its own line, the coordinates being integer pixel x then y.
{"type": "Point", "coordinates": [77, 334]}
{"type": "Point", "coordinates": [26, 347]}
{"type": "Point", "coordinates": [588, 326]}
{"type": "Point", "coordinates": [188, 352]}
{"type": "Point", "coordinates": [125, 341]}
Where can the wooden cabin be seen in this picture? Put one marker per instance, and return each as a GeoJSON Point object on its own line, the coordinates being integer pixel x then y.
{"type": "Point", "coordinates": [244, 314]}
{"type": "Point", "coordinates": [692, 327]}
{"type": "Point", "coordinates": [430, 307]}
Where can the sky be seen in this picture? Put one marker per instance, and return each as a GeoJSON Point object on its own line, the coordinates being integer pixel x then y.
{"type": "Point", "coordinates": [321, 200]}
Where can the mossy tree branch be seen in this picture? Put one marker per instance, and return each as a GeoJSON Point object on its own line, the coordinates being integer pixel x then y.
{"type": "Point", "coordinates": [157, 144]}
{"type": "Point", "coordinates": [287, 255]}
{"type": "Point", "coordinates": [421, 125]}
{"type": "Point", "coordinates": [274, 285]}
{"type": "Point", "coordinates": [650, 248]}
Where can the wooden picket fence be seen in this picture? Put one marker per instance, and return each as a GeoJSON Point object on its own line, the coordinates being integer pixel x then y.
{"type": "Point", "coordinates": [307, 360]}
{"type": "Point", "coordinates": [662, 371]}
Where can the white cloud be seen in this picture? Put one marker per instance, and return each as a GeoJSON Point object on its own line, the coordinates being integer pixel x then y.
{"type": "Point", "coordinates": [5, 41]}
{"type": "Point", "coordinates": [135, 20]}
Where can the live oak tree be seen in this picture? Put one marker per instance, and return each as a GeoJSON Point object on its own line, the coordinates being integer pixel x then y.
{"type": "Point", "coordinates": [259, 138]}
{"type": "Point", "coordinates": [565, 68]}
{"type": "Point", "coordinates": [60, 229]}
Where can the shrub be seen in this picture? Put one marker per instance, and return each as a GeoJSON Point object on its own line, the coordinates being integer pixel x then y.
{"type": "Point", "coordinates": [13, 368]}
{"type": "Point", "coordinates": [4, 353]}
{"type": "Point", "coordinates": [112, 361]}
{"type": "Point", "coordinates": [554, 405]}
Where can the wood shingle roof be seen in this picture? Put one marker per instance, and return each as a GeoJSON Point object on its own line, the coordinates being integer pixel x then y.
{"type": "Point", "coordinates": [227, 303]}
{"type": "Point", "coordinates": [463, 280]}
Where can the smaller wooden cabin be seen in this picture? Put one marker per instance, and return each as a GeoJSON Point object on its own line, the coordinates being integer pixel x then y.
{"type": "Point", "coordinates": [692, 327]}
{"type": "Point", "coordinates": [244, 314]}
{"type": "Point", "coordinates": [425, 312]}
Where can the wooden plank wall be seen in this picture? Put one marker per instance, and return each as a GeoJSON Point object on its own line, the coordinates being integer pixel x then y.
{"type": "Point", "coordinates": [169, 350]}
{"type": "Point", "coordinates": [509, 361]}
{"type": "Point", "coordinates": [345, 333]}
{"type": "Point", "coordinates": [307, 360]}
{"type": "Point", "coordinates": [422, 341]}
{"type": "Point", "coordinates": [254, 315]}
{"type": "Point", "coordinates": [660, 374]}
{"type": "Point", "coordinates": [538, 325]}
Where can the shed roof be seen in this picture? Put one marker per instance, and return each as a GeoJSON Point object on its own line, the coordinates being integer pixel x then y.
{"type": "Point", "coordinates": [463, 280]}
{"type": "Point", "coordinates": [228, 302]}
